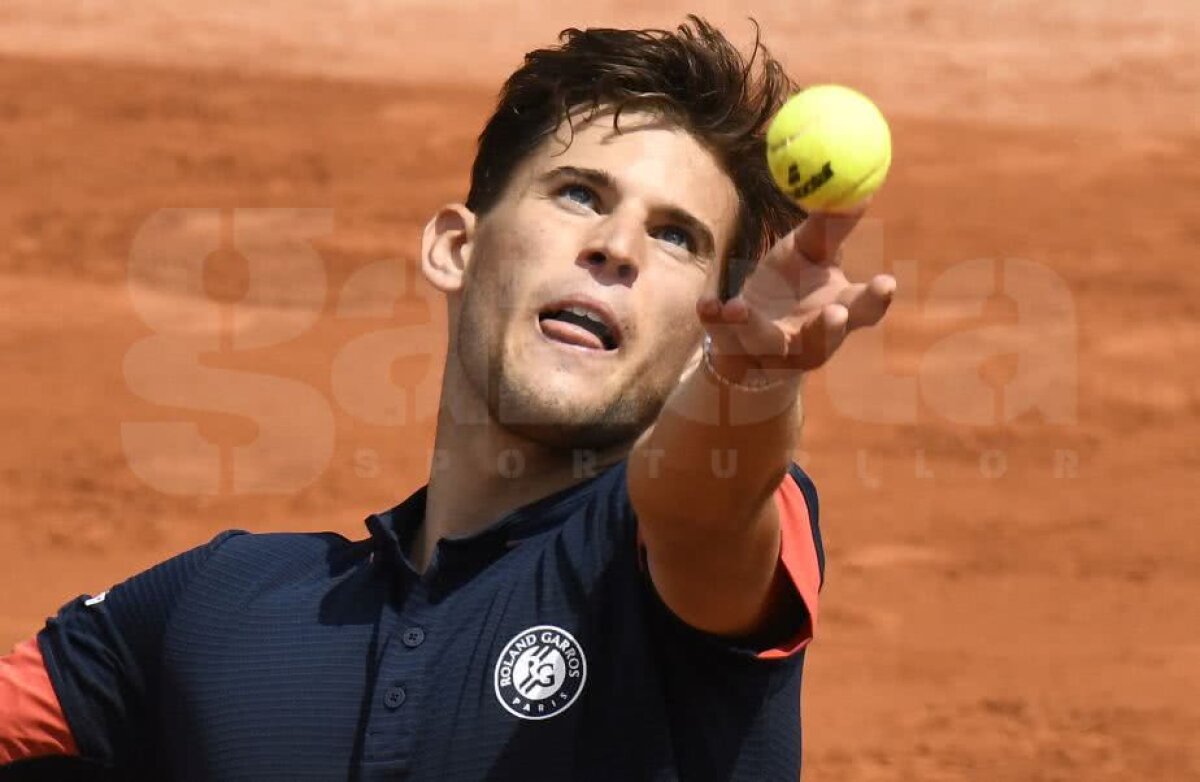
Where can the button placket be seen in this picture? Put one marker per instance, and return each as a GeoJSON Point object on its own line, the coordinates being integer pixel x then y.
{"type": "Point", "coordinates": [398, 697]}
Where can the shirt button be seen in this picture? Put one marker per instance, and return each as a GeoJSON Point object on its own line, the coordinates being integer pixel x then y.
{"type": "Point", "coordinates": [413, 637]}
{"type": "Point", "coordinates": [394, 697]}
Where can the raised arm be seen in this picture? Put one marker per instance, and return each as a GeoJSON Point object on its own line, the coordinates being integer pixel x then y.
{"type": "Point", "coordinates": [704, 478]}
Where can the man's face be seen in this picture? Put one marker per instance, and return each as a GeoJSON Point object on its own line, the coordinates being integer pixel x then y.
{"type": "Point", "coordinates": [621, 228]}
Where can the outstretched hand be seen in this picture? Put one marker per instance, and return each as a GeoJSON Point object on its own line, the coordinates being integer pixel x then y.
{"type": "Point", "coordinates": [797, 306]}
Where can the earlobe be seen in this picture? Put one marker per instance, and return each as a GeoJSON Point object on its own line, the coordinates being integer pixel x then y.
{"type": "Point", "coordinates": [446, 247]}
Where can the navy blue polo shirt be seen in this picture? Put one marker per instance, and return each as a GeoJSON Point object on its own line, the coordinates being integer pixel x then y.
{"type": "Point", "coordinates": [536, 649]}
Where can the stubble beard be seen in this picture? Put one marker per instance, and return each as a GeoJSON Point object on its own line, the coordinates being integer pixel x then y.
{"type": "Point", "coordinates": [516, 402]}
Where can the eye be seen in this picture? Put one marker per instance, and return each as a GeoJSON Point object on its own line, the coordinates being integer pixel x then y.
{"type": "Point", "coordinates": [580, 194]}
{"type": "Point", "coordinates": [673, 234]}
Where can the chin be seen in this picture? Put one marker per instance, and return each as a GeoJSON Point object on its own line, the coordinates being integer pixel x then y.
{"type": "Point", "coordinates": [571, 414]}
{"type": "Point", "coordinates": [572, 436]}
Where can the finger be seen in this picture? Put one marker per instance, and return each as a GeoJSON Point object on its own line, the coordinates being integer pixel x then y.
{"type": "Point", "coordinates": [712, 311]}
{"type": "Point", "coordinates": [815, 242]}
{"type": "Point", "coordinates": [822, 335]}
{"type": "Point", "coordinates": [715, 321]}
{"type": "Point", "coordinates": [758, 335]}
{"type": "Point", "coordinates": [868, 303]}
{"type": "Point", "coordinates": [821, 235]}
{"type": "Point", "coordinates": [737, 328]}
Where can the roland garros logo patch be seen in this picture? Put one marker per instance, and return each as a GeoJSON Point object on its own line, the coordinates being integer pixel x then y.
{"type": "Point", "coordinates": [540, 673]}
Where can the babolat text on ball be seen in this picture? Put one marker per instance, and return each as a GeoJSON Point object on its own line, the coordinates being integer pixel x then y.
{"type": "Point", "coordinates": [829, 148]}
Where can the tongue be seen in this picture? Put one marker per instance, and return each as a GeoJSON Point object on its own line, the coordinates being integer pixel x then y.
{"type": "Point", "coordinates": [562, 331]}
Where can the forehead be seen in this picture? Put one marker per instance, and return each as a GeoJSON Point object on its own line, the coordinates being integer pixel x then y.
{"type": "Point", "coordinates": [650, 158]}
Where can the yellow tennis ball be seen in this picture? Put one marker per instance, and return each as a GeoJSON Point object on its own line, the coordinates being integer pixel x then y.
{"type": "Point", "coordinates": [829, 148]}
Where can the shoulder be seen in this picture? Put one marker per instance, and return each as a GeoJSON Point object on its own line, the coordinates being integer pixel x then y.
{"type": "Point", "coordinates": [277, 549]}
{"type": "Point", "coordinates": [143, 603]}
{"type": "Point", "coordinates": [243, 564]}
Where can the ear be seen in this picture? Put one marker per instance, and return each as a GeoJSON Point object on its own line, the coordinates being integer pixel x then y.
{"type": "Point", "coordinates": [446, 247]}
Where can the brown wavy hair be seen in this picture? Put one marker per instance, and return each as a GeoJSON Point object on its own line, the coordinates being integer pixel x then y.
{"type": "Point", "coordinates": [693, 76]}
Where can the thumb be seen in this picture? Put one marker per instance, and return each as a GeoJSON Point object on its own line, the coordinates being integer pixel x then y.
{"type": "Point", "coordinates": [737, 329]}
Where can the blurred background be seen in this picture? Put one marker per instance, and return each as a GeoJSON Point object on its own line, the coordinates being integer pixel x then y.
{"type": "Point", "coordinates": [209, 319]}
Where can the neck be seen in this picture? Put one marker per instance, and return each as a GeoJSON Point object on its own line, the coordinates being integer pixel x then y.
{"type": "Point", "coordinates": [481, 471]}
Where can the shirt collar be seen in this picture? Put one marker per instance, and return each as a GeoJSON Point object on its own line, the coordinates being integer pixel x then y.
{"type": "Point", "coordinates": [393, 530]}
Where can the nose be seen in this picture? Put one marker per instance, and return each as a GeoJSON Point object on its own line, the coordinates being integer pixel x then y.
{"type": "Point", "coordinates": [613, 251]}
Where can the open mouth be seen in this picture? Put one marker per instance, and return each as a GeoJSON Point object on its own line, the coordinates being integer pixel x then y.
{"type": "Point", "coordinates": [580, 324]}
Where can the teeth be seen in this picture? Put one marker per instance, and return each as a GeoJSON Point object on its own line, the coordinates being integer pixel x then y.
{"type": "Point", "coordinates": [581, 312]}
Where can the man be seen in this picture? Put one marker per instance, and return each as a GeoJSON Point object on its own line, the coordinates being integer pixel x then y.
{"type": "Point", "coordinates": [613, 570]}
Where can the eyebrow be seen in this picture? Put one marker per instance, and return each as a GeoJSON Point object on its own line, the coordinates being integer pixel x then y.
{"type": "Point", "coordinates": [604, 180]}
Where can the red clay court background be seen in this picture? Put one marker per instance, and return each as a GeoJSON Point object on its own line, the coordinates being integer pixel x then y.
{"type": "Point", "coordinates": [1009, 597]}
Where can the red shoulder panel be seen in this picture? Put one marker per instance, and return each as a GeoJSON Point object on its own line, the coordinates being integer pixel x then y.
{"type": "Point", "coordinates": [31, 720]}
{"type": "Point", "coordinates": [798, 555]}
